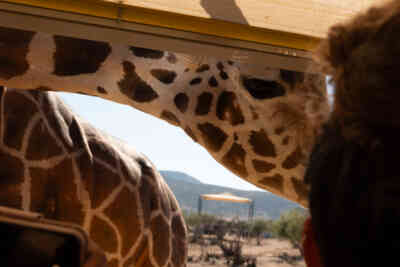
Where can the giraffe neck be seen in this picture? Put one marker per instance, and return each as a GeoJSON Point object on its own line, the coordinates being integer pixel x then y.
{"type": "Point", "coordinates": [260, 128]}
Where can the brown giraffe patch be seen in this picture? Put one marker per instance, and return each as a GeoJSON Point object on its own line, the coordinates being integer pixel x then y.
{"type": "Point", "coordinates": [41, 144]}
{"type": "Point", "coordinates": [275, 182]}
{"type": "Point", "coordinates": [204, 101]}
{"type": "Point", "coordinates": [279, 130]}
{"type": "Point", "coordinates": [103, 151]}
{"type": "Point", "coordinates": [195, 81]}
{"type": "Point", "coordinates": [17, 114]}
{"type": "Point", "coordinates": [149, 199]}
{"type": "Point", "coordinates": [263, 166]}
{"type": "Point", "coordinates": [293, 159]}
{"type": "Point", "coordinates": [285, 140]}
{"type": "Point", "coordinates": [213, 136]}
{"type": "Point", "coordinates": [113, 263]}
{"type": "Point", "coordinates": [75, 56]}
{"type": "Point", "coordinates": [170, 117]}
{"type": "Point", "coordinates": [146, 53]}
{"type": "Point", "coordinates": [101, 90]}
{"type": "Point", "coordinates": [164, 76]}
{"type": "Point", "coordinates": [181, 101]}
{"type": "Point", "coordinates": [129, 172]}
{"type": "Point", "coordinates": [228, 108]}
{"type": "Point", "coordinates": [302, 190]}
{"type": "Point", "coordinates": [14, 48]}
{"type": "Point", "coordinates": [134, 87]}
{"type": "Point", "coordinates": [139, 255]}
{"type": "Point", "coordinates": [103, 235]}
{"type": "Point", "coordinates": [292, 77]}
{"type": "Point", "coordinates": [11, 174]}
{"type": "Point", "coordinates": [161, 235]}
{"type": "Point", "coordinates": [212, 82]}
{"type": "Point", "coordinates": [123, 211]}
{"type": "Point", "coordinates": [101, 183]}
{"type": "Point", "coordinates": [172, 202]}
{"type": "Point", "coordinates": [171, 58]}
{"type": "Point", "coordinates": [261, 144]}
{"type": "Point", "coordinates": [54, 193]}
{"type": "Point", "coordinates": [203, 68]}
{"type": "Point", "coordinates": [191, 134]}
{"type": "Point", "coordinates": [262, 89]}
{"type": "Point", "coordinates": [222, 73]}
{"type": "Point", "coordinates": [178, 242]}
{"type": "Point", "coordinates": [235, 160]}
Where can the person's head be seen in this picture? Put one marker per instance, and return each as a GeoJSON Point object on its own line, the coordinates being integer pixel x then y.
{"type": "Point", "coordinates": [354, 169]}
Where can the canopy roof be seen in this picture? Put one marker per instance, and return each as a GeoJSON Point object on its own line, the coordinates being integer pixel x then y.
{"type": "Point", "coordinates": [228, 197]}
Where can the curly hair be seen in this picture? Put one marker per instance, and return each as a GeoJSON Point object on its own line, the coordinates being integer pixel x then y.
{"type": "Point", "coordinates": [353, 169]}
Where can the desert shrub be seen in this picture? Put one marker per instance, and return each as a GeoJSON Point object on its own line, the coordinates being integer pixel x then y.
{"type": "Point", "coordinates": [259, 227]}
{"type": "Point", "coordinates": [195, 219]}
{"type": "Point", "coordinates": [290, 226]}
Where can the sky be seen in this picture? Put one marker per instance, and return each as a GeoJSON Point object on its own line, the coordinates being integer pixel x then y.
{"type": "Point", "coordinates": [167, 146]}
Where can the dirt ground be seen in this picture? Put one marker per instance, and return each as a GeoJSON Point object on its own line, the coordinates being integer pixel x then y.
{"type": "Point", "coordinates": [270, 253]}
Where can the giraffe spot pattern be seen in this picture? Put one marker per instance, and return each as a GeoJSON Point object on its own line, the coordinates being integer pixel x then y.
{"type": "Point", "coordinates": [171, 58]}
{"type": "Point", "coordinates": [134, 87]}
{"type": "Point", "coordinates": [275, 182]}
{"type": "Point", "coordinates": [222, 73]}
{"type": "Point", "coordinates": [262, 89]}
{"type": "Point", "coordinates": [54, 193]}
{"type": "Point", "coordinates": [213, 137]}
{"type": "Point", "coordinates": [161, 235]}
{"type": "Point", "coordinates": [191, 134]}
{"type": "Point", "coordinates": [13, 52]}
{"type": "Point", "coordinates": [204, 102]}
{"type": "Point", "coordinates": [178, 244]}
{"type": "Point", "coordinates": [149, 200]}
{"type": "Point", "coordinates": [181, 101]}
{"type": "Point", "coordinates": [285, 140]}
{"type": "Point", "coordinates": [228, 108]}
{"type": "Point", "coordinates": [101, 184]}
{"type": "Point", "coordinates": [302, 190]}
{"type": "Point", "coordinates": [101, 90]}
{"type": "Point", "coordinates": [11, 178]}
{"type": "Point", "coordinates": [279, 130]}
{"type": "Point", "coordinates": [103, 151]}
{"type": "Point", "coordinates": [195, 81]}
{"type": "Point", "coordinates": [164, 76]}
{"type": "Point", "coordinates": [261, 144]}
{"type": "Point", "coordinates": [16, 114]}
{"type": "Point", "coordinates": [75, 56]}
{"type": "Point", "coordinates": [169, 117]}
{"type": "Point", "coordinates": [103, 235]}
{"type": "Point", "coordinates": [212, 82]}
{"type": "Point", "coordinates": [291, 77]}
{"type": "Point", "coordinates": [146, 53]}
{"type": "Point", "coordinates": [129, 172]}
{"type": "Point", "coordinates": [263, 166]}
{"type": "Point", "coordinates": [41, 144]}
{"type": "Point", "coordinates": [294, 159]}
{"type": "Point", "coordinates": [203, 68]}
{"type": "Point", "coordinates": [123, 211]}
{"type": "Point", "coordinates": [235, 160]}
{"type": "Point", "coordinates": [140, 255]}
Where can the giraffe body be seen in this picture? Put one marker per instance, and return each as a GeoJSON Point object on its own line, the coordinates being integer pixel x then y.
{"type": "Point", "coordinates": [56, 164]}
{"type": "Point", "coordinates": [261, 128]}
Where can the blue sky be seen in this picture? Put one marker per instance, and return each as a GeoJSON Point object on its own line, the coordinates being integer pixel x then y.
{"type": "Point", "coordinates": [167, 146]}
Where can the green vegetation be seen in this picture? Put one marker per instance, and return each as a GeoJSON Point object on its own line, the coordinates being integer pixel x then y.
{"type": "Point", "coordinates": [288, 226]}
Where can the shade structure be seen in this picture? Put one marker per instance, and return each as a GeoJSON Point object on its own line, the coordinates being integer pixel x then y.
{"type": "Point", "coordinates": [280, 32]}
{"type": "Point", "coordinates": [227, 197]}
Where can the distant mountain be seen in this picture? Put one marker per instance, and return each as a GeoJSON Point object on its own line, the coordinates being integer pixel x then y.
{"type": "Point", "coordinates": [180, 176]}
{"type": "Point", "coordinates": [187, 190]}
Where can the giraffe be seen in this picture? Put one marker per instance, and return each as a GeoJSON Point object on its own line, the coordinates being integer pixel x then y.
{"type": "Point", "coordinates": [259, 127]}
{"type": "Point", "coordinates": [56, 164]}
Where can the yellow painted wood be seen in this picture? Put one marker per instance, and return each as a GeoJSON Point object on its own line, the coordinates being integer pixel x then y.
{"type": "Point", "coordinates": [296, 24]}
